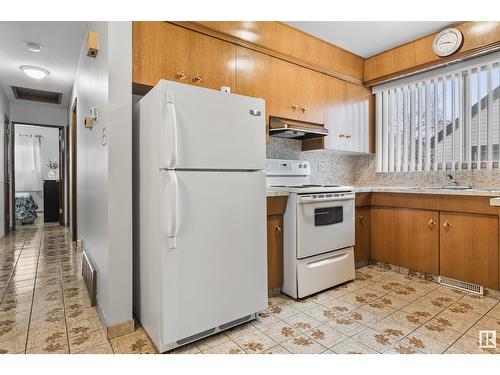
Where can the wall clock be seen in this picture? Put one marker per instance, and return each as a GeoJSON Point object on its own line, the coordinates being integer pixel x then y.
{"type": "Point", "coordinates": [447, 42]}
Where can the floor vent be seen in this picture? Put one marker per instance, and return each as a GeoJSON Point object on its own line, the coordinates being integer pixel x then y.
{"type": "Point", "coordinates": [462, 285]}
{"type": "Point", "coordinates": [90, 277]}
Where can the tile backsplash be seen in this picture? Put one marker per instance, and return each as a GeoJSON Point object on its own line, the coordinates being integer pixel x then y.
{"type": "Point", "coordinates": [359, 170]}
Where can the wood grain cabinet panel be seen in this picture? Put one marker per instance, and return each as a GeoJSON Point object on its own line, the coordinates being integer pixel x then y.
{"type": "Point", "coordinates": [416, 237]}
{"type": "Point", "coordinates": [363, 236]}
{"type": "Point", "coordinates": [309, 88]}
{"type": "Point", "coordinates": [162, 50]}
{"type": "Point", "coordinates": [382, 235]}
{"type": "Point", "coordinates": [469, 248]}
{"type": "Point", "coordinates": [274, 251]}
{"type": "Point", "coordinates": [335, 113]}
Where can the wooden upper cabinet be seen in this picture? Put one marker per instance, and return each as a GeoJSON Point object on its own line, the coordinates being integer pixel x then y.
{"type": "Point", "coordinates": [469, 248]}
{"type": "Point", "coordinates": [286, 87]}
{"type": "Point", "coordinates": [162, 50]}
{"type": "Point", "coordinates": [309, 88]}
{"type": "Point", "coordinates": [335, 113]}
{"type": "Point", "coordinates": [416, 235]}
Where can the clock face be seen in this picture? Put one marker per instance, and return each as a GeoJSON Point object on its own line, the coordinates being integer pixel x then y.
{"type": "Point", "coordinates": [447, 42]}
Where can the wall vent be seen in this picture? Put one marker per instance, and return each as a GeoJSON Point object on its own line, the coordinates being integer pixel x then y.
{"type": "Point", "coordinates": [24, 93]}
{"type": "Point", "coordinates": [90, 277]}
{"type": "Point", "coordinates": [462, 285]}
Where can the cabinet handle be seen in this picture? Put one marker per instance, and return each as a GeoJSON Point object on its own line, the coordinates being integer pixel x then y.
{"type": "Point", "coordinates": [447, 224]}
{"type": "Point", "coordinates": [431, 223]}
{"type": "Point", "coordinates": [360, 217]}
{"type": "Point", "coordinates": [294, 107]}
{"type": "Point", "coordinates": [197, 78]}
{"type": "Point", "coordinates": [181, 75]}
{"type": "Point", "coordinates": [304, 109]}
{"type": "Point", "coordinates": [277, 228]}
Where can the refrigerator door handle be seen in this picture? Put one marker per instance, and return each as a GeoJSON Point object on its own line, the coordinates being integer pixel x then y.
{"type": "Point", "coordinates": [170, 123]}
{"type": "Point", "coordinates": [173, 210]}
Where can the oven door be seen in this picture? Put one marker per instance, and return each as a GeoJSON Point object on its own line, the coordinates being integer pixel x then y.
{"type": "Point", "coordinates": [325, 222]}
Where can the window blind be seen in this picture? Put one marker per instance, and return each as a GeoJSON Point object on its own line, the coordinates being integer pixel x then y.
{"type": "Point", "coordinates": [444, 119]}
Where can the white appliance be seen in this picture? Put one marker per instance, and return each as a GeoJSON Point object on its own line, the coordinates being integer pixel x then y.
{"type": "Point", "coordinates": [318, 229]}
{"type": "Point", "coordinates": [201, 262]}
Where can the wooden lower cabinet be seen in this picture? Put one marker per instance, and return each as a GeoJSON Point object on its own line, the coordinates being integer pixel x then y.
{"type": "Point", "coordinates": [275, 209]}
{"type": "Point", "coordinates": [416, 239]}
{"type": "Point", "coordinates": [382, 235]}
{"type": "Point", "coordinates": [274, 251]}
{"type": "Point", "coordinates": [363, 234]}
{"type": "Point", "coordinates": [469, 248]}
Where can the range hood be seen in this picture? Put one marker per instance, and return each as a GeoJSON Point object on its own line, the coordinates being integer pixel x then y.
{"type": "Point", "coordinates": [287, 128]}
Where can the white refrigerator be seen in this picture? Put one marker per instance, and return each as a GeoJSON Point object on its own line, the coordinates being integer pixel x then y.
{"type": "Point", "coordinates": [200, 263]}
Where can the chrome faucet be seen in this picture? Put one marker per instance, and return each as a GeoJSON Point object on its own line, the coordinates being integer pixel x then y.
{"type": "Point", "coordinates": [454, 182]}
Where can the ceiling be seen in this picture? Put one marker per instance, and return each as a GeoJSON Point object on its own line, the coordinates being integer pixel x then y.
{"type": "Point", "coordinates": [61, 44]}
{"type": "Point", "coordinates": [368, 38]}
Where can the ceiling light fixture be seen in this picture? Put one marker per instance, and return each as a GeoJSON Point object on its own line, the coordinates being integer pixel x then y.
{"type": "Point", "coordinates": [34, 71]}
{"type": "Point", "coordinates": [33, 47]}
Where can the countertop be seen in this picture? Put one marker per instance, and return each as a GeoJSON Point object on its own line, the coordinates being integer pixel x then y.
{"type": "Point", "coordinates": [276, 193]}
{"type": "Point", "coordinates": [426, 190]}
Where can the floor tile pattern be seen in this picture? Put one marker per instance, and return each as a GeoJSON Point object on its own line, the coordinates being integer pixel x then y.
{"type": "Point", "coordinates": [44, 308]}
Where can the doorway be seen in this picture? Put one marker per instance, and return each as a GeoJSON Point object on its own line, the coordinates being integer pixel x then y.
{"type": "Point", "coordinates": [6, 176]}
{"type": "Point", "coordinates": [38, 174]}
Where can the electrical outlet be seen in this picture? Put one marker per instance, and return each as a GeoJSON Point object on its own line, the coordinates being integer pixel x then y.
{"type": "Point", "coordinates": [322, 166]}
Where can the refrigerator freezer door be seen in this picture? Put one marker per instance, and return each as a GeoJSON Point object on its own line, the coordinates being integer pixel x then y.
{"type": "Point", "coordinates": [215, 271]}
{"type": "Point", "coordinates": [207, 129]}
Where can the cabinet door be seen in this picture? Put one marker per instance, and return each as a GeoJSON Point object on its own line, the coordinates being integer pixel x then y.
{"type": "Point", "coordinates": [382, 235]}
{"type": "Point", "coordinates": [469, 248]}
{"type": "Point", "coordinates": [160, 50]}
{"type": "Point", "coordinates": [416, 235]}
{"type": "Point", "coordinates": [335, 113]}
{"type": "Point", "coordinates": [362, 247]}
{"type": "Point", "coordinates": [265, 77]}
{"type": "Point", "coordinates": [212, 62]}
{"type": "Point", "coordinates": [357, 118]}
{"type": "Point", "coordinates": [310, 92]}
{"type": "Point", "coordinates": [274, 251]}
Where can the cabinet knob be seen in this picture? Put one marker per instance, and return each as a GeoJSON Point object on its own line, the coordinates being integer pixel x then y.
{"type": "Point", "coordinates": [197, 78]}
{"type": "Point", "coordinates": [360, 217]}
{"type": "Point", "coordinates": [277, 228]}
{"type": "Point", "coordinates": [180, 75]}
{"type": "Point", "coordinates": [447, 224]}
{"type": "Point", "coordinates": [304, 109]}
{"type": "Point", "coordinates": [431, 223]}
{"type": "Point", "coordinates": [294, 107]}
{"type": "Point", "coordinates": [341, 135]}
{"type": "Point", "coordinates": [348, 136]}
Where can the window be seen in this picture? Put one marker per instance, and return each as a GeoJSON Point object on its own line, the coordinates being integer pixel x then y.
{"type": "Point", "coordinates": [447, 118]}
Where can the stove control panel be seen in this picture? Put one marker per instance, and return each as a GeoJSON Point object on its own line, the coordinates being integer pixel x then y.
{"type": "Point", "coordinates": [280, 167]}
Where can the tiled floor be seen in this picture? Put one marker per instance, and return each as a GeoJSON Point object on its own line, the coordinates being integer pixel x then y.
{"type": "Point", "coordinates": [44, 308]}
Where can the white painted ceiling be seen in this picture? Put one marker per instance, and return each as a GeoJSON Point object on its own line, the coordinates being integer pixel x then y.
{"type": "Point", "coordinates": [61, 44]}
{"type": "Point", "coordinates": [367, 38]}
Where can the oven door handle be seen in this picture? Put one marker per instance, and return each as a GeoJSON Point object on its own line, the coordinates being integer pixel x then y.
{"type": "Point", "coordinates": [332, 259]}
{"type": "Point", "coordinates": [303, 200]}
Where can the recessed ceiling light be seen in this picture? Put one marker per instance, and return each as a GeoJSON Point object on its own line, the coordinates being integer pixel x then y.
{"type": "Point", "coordinates": [33, 47]}
{"type": "Point", "coordinates": [34, 71]}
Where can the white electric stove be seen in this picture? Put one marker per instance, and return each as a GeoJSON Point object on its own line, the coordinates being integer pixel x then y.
{"type": "Point", "coordinates": [318, 229]}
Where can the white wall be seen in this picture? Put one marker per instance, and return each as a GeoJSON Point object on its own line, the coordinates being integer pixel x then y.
{"type": "Point", "coordinates": [104, 172]}
{"type": "Point", "coordinates": [49, 149]}
{"type": "Point", "coordinates": [4, 109]}
{"type": "Point", "coordinates": [37, 113]}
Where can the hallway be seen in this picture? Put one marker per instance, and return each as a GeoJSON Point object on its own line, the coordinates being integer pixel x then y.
{"type": "Point", "coordinates": [44, 305]}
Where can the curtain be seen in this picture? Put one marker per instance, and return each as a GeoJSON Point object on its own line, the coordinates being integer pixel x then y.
{"type": "Point", "coordinates": [28, 164]}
